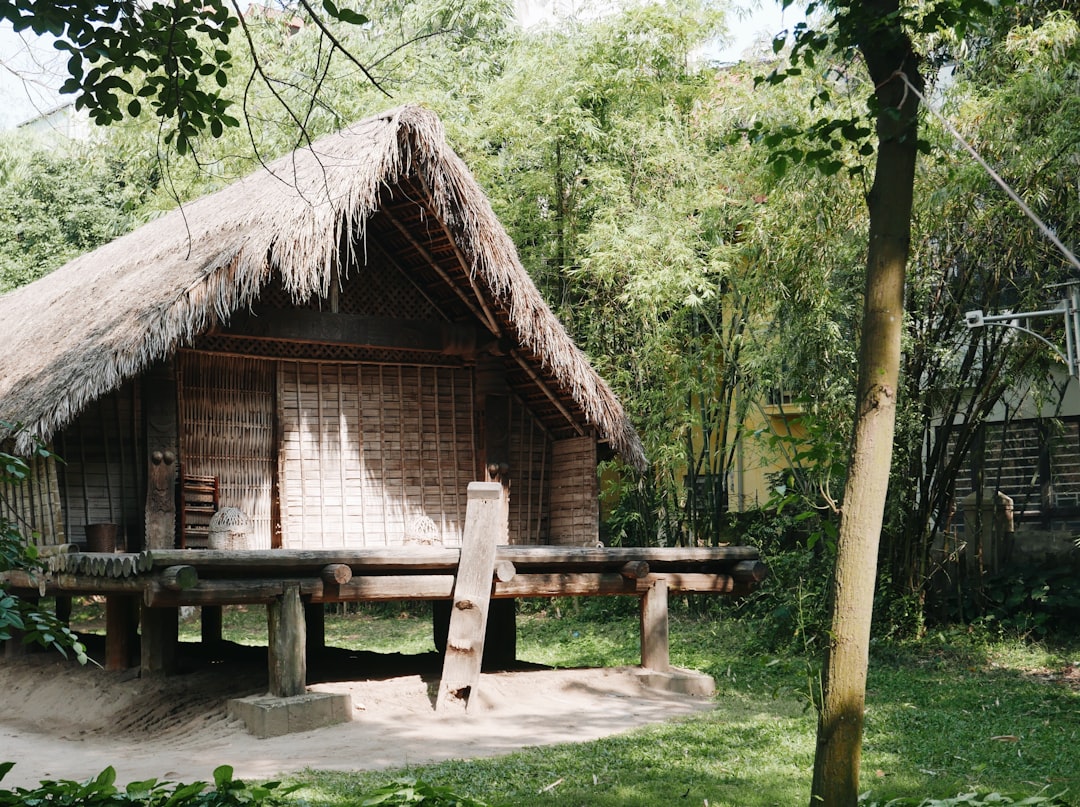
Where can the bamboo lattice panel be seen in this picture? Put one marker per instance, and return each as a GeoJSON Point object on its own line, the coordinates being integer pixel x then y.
{"type": "Point", "coordinates": [227, 431]}
{"type": "Point", "coordinates": [102, 478]}
{"type": "Point", "coordinates": [529, 468]}
{"type": "Point", "coordinates": [367, 450]}
{"type": "Point", "coordinates": [575, 511]}
{"type": "Point", "coordinates": [34, 505]}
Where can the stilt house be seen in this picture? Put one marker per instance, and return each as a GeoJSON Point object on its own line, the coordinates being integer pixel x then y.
{"type": "Point", "coordinates": [336, 345]}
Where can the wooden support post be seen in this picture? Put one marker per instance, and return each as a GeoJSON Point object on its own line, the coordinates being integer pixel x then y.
{"type": "Point", "coordinates": [654, 627]}
{"type": "Point", "coordinates": [500, 641]}
{"type": "Point", "coordinates": [210, 624]}
{"type": "Point", "coordinates": [315, 625]}
{"type": "Point", "coordinates": [63, 609]}
{"type": "Point", "coordinates": [287, 646]}
{"type": "Point", "coordinates": [485, 523]}
{"type": "Point", "coordinates": [161, 501]}
{"type": "Point", "coordinates": [120, 631]}
{"type": "Point", "coordinates": [159, 639]}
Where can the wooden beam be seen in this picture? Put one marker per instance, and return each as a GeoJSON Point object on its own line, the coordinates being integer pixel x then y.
{"type": "Point", "coordinates": [654, 627]}
{"type": "Point", "coordinates": [320, 327]}
{"type": "Point", "coordinates": [179, 577]}
{"type": "Point", "coordinates": [485, 524]}
{"type": "Point", "coordinates": [634, 569]}
{"type": "Point", "coordinates": [287, 645]}
{"type": "Point", "coordinates": [255, 562]}
{"type": "Point", "coordinates": [336, 574]}
{"type": "Point", "coordinates": [544, 388]}
{"type": "Point", "coordinates": [466, 270]}
{"type": "Point", "coordinates": [480, 311]}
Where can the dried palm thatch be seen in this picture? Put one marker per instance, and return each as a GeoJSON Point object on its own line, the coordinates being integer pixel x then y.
{"type": "Point", "coordinates": [79, 332]}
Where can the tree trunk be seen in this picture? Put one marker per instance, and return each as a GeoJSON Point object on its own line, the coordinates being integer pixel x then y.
{"type": "Point", "coordinates": [840, 719]}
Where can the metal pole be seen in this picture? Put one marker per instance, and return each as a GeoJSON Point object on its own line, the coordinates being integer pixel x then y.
{"type": "Point", "coordinates": [1074, 320]}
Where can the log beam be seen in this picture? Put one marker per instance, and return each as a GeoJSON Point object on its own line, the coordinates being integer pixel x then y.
{"type": "Point", "coordinates": [336, 574]}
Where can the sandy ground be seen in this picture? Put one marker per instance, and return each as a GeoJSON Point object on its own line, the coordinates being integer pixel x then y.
{"type": "Point", "coordinates": [60, 721]}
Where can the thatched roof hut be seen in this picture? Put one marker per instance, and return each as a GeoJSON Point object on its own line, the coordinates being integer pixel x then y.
{"type": "Point", "coordinates": [388, 186]}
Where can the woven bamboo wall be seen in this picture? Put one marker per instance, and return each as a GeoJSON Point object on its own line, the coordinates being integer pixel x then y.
{"type": "Point", "coordinates": [530, 465]}
{"type": "Point", "coordinates": [226, 406]}
{"type": "Point", "coordinates": [368, 451]}
{"type": "Point", "coordinates": [574, 492]}
{"type": "Point", "coordinates": [102, 478]}
{"type": "Point", "coordinates": [34, 505]}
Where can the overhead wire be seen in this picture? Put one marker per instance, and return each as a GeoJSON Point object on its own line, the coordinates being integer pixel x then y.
{"type": "Point", "coordinates": [1043, 228]}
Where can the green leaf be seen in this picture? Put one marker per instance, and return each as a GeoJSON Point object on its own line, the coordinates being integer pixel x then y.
{"type": "Point", "coordinates": [223, 777]}
{"type": "Point", "coordinates": [347, 15]}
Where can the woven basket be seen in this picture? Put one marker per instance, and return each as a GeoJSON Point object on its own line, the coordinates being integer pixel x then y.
{"type": "Point", "coordinates": [230, 528]}
{"type": "Point", "coordinates": [422, 531]}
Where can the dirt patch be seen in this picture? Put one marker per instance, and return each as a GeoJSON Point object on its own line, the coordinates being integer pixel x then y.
{"type": "Point", "coordinates": [1067, 675]}
{"type": "Point", "coordinates": [59, 720]}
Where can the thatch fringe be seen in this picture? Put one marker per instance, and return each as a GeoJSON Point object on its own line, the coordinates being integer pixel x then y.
{"type": "Point", "coordinates": [79, 332]}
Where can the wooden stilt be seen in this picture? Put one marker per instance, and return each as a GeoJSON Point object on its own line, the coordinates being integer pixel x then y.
{"type": "Point", "coordinates": [287, 646]}
{"type": "Point", "coordinates": [63, 609]}
{"type": "Point", "coordinates": [159, 640]}
{"type": "Point", "coordinates": [500, 643]}
{"type": "Point", "coordinates": [440, 622]}
{"type": "Point", "coordinates": [119, 631]}
{"type": "Point", "coordinates": [654, 627]}
{"type": "Point", "coordinates": [210, 624]}
{"type": "Point", "coordinates": [315, 624]}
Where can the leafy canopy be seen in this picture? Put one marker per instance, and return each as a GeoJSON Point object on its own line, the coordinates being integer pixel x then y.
{"type": "Point", "coordinates": [175, 56]}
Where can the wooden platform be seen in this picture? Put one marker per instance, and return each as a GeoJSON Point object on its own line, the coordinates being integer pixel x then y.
{"type": "Point", "coordinates": [148, 588]}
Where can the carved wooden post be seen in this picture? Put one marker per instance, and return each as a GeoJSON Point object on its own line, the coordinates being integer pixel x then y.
{"type": "Point", "coordinates": [287, 643]}
{"type": "Point", "coordinates": [654, 627]}
{"type": "Point", "coordinates": [161, 501]}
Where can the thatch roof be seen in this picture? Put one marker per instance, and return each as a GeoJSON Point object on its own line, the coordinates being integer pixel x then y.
{"type": "Point", "coordinates": [81, 331]}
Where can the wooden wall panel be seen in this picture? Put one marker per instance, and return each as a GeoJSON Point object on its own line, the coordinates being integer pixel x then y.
{"type": "Point", "coordinates": [574, 493]}
{"type": "Point", "coordinates": [530, 465]}
{"type": "Point", "coordinates": [227, 431]}
{"type": "Point", "coordinates": [368, 451]}
{"type": "Point", "coordinates": [102, 478]}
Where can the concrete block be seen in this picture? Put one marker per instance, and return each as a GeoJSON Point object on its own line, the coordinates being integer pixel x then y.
{"type": "Point", "coordinates": [269, 716]}
{"type": "Point", "coordinates": [678, 681]}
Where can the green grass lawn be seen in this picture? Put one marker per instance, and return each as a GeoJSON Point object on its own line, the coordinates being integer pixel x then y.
{"type": "Point", "coordinates": [945, 715]}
